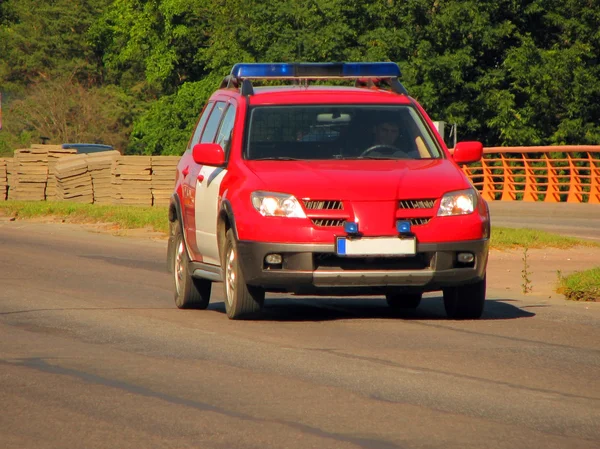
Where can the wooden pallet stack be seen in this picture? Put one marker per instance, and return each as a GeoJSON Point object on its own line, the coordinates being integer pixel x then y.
{"type": "Point", "coordinates": [73, 181]}
{"type": "Point", "coordinates": [3, 180]}
{"type": "Point", "coordinates": [163, 179]}
{"type": "Point", "coordinates": [100, 166]}
{"type": "Point", "coordinates": [55, 152]}
{"type": "Point", "coordinates": [30, 174]}
{"type": "Point", "coordinates": [132, 181]}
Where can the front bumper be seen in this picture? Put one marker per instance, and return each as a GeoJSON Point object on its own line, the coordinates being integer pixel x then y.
{"type": "Point", "coordinates": [316, 269]}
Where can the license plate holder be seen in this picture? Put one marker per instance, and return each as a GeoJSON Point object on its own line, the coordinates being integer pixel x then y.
{"type": "Point", "coordinates": [376, 246]}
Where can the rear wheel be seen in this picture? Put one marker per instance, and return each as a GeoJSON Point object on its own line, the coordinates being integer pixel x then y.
{"type": "Point", "coordinates": [241, 300]}
{"type": "Point", "coordinates": [406, 301]}
{"type": "Point", "coordinates": [190, 293]}
{"type": "Point", "coordinates": [466, 301]}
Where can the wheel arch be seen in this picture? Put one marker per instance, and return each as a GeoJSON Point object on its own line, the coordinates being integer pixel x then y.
{"type": "Point", "coordinates": [175, 216]}
{"type": "Point", "coordinates": [226, 221]}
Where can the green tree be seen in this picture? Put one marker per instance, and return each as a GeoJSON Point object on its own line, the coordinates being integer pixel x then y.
{"type": "Point", "coordinates": [296, 30]}
{"type": "Point", "coordinates": [551, 83]}
{"type": "Point", "coordinates": [151, 46]}
{"type": "Point", "coordinates": [63, 111]}
{"type": "Point", "coordinates": [45, 39]}
{"type": "Point", "coordinates": [166, 127]}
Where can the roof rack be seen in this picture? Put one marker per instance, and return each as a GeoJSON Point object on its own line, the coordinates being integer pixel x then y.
{"type": "Point", "coordinates": [371, 83]}
{"type": "Point", "coordinates": [367, 74]}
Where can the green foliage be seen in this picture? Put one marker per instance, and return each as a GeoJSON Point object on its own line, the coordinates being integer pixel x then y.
{"type": "Point", "coordinates": [506, 72]}
{"type": "Point", "coordinates": [151, 45]}
{"type": "Point", "coordinates": [42, 39]}
{"type": "Point", "coordinates": [166, 127]}
{"type": "Point", "coordinates": [64, 111]}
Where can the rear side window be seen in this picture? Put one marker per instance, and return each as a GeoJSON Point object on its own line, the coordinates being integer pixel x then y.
{"type": "Point", "coordinates": [208, 136]}
{"type": "Point", "coordinates": [200, 126]}
{"type": "Point", "coordinates": [226, 130]}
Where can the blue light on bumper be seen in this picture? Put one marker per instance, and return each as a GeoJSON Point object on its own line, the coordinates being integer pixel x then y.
{"type": "Point", "coordinates": [351, 227]}
{"type": "Point", "coordinates": [403, 227]}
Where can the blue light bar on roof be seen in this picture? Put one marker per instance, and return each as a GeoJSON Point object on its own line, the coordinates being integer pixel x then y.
{"type": "Point", "coordinates": [316, 70]}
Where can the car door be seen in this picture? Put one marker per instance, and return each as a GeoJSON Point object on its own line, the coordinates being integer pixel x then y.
{"type": "Point", "coordinates": [189, 174]}
{"type": "Point", "coordinates": [207, 192]}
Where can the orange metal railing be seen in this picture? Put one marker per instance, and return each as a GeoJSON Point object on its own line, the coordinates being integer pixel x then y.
{"type": "Point", "coordinates": [551, 173]}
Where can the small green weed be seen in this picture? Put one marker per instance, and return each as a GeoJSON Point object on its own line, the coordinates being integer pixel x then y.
{"type": "Point", "coordinates": [525, 273]}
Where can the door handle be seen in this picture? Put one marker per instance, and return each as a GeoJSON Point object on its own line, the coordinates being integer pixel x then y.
{"type": "Point", "coordinates": [185, 171]}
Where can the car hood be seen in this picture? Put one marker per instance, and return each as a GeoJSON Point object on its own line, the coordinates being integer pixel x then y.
{"type": "Point", "coordinates": [361, 180]}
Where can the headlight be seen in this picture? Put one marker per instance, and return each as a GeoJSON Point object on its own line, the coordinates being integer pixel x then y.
{"type": "Point", "coordinates": [461, 202]}
{"type": "Point", "coordinates": [270, 204]}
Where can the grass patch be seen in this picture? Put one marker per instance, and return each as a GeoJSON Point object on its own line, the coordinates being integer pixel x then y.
{"type": "Point", "coordinates": [123, 217]}
{"type": "Point", "coordinates": [506, 238]}
{"type": "Point", "coordinates": [581, 286]}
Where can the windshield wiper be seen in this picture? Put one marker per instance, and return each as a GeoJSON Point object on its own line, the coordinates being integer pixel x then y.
{"type": "Point", "coordinates": [351, 158]}
{"type": "Point", "coordinates": [276, 158]}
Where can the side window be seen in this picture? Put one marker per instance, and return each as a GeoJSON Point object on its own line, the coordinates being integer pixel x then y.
{"type": "Point", "coordinates": [226, 129]}
{"type": "Point", "coordinates": [200, 126]}
{"type": "Point", "coordinates": [213, 123]}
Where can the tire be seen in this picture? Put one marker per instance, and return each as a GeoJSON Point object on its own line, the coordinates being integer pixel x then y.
{"type": "Point", "coordinates": [241, 300]}
{"type": "Point", "coordinates": [190, 293]}
{"type": "Point", "coordinates": [465, 302]}
{"type": "Point", "coordinates": [403, 301]}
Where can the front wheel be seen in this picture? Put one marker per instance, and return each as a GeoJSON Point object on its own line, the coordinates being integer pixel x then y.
{"type": "Point", "coordinates": [190, 293]}
{"type": "Point", "coordinates": [241, 300]}
{"type": "Point", "coordinates": [465, 302]}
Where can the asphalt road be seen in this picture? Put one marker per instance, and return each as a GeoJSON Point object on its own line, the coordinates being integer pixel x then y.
{"type": "Point", "coordinates": [580, 220]}
{"type": "Point", "coordinates": [94, 354]}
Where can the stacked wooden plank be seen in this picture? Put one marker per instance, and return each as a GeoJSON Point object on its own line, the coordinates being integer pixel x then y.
{"type": "Point", "coordinates": [55, 152]}
{"type": "Point", "coordinates": [30, 174]}
{"type": "Point", "coordinates": [73, 181]}
{"type": "Point", "coordinates": [132, 181]}
{"type": "Point", "coordinates": [163, 178]}
{"type": "Point", "coordinates": [100, 166]}
{"type": "Point", "coordinates": [3, 180]}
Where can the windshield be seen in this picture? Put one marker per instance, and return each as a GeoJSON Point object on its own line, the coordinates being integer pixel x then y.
{"type": "Point", "coordinates": [326, 132]}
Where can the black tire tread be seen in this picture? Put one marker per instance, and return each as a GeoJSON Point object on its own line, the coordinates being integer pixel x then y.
{"type": "Point", "coordinates": [249, 300]}
{"type": "Point", "coordinates": [195, 292]}
{"type": "Point", "coordinates": [465, 302]}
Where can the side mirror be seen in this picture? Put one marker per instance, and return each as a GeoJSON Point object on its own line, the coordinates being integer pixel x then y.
{"type": "Point", "coordinates": [208, 154]}
{"type": "Point", "coordinates": [467, 152]}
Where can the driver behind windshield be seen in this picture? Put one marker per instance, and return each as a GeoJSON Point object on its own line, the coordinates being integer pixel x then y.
{"type": "Point", "coordinates": [386, 134]}
{"type": "Point", "coordinates": [389, 140]}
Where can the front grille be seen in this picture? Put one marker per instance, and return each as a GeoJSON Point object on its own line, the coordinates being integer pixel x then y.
{"type": "Point", "coordinates": [327, 222]}
{"type": "Point", "coordinates": [415, 204]}
{"type": "Point", "coordinates": [323, 205]}
{"type": "Point", "coordinates": [419, 221]}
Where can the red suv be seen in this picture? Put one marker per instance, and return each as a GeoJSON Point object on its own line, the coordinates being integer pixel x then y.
{"type": "Point", "coordinates": [317, 189]}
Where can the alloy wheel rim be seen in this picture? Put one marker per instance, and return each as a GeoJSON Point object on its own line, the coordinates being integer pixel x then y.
{"type": "Point", "coordinates": [178, 271]}
{"type": "Point", "coordinates": [230, 276]}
